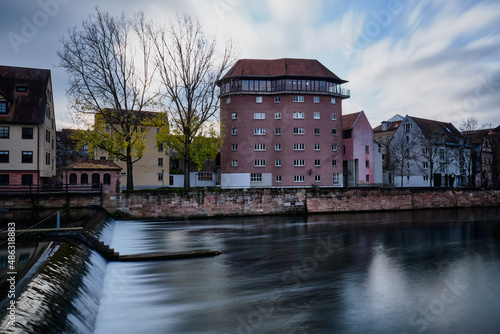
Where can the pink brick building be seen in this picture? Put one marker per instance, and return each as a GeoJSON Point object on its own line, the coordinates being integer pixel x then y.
{"type": "Point", "coordinates": [357, 136]}
{"type": "Point", "coordinates": [281, 122]}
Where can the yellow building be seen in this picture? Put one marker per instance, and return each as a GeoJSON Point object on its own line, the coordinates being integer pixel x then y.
{"type": "Point", "coordinates": [27, 127]}
{"type": "Point", "coordinates": [152, 170]}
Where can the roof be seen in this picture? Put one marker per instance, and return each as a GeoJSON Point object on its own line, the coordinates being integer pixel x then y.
{"type": "Point", "coordinates": [93, 165]}
{"type": "Point", "coordinates": [349, 120]}
{"type": "Point", "coordinates": [430, 127]}
{"type": "Point", "coordinates": [476, 136]}
{"type": "Point", "coordinates": [26, 107]}
{"type": "Point", "coordinates": [283, 67]}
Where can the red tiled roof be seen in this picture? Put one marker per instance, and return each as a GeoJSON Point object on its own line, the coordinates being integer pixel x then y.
{"type": "Point", "coordinates": [349, 120]}
{"type": "Point", "coordinates": [281, 67]}
{"type": "Point", "coordinates": [26, 107]}
{"type": "Point", "coordinates": [93, 165]}
{"type": "Point", "coordinates": [476, 136]}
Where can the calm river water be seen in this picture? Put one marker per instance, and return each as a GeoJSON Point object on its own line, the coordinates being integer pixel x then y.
{"type": "Point", "coordinates": [408, 272]}
{"type": "Point", "coordinates": [401, 272]}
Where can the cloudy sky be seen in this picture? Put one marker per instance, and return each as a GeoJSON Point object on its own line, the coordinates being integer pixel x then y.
{"type": "Point", "coordinates": [431, 59]}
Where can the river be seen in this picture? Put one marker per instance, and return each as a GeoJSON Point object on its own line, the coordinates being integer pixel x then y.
{"type": "Point", "coordinates": [430, 271]}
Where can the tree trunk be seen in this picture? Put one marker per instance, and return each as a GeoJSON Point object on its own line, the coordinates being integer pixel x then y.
{"type": "Point", "coordinates": [130, 175]}
{"type": "Point", "coordinates": [186, 165]}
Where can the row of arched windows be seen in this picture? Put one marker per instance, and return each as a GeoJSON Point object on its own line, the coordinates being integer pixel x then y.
{"type": "Point", "coordinates": [84, 179]}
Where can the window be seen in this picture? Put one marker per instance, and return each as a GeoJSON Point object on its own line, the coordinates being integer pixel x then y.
{"type": "Point", "coordinates": [334, 132]}
{"type": "Point", "coordinates": [298, 115]}
{"type": "Point", "coordinates": [3, 108]}
{"type": "Point", "coordinates": [107, 178]}
{"type": "Point", "coordinates": [334, 163]}
{"type": "Point", "coordinates": [256, 177]}
{"type": "Point", "coordinates": [277, 131]}
{"type": "Point", "coordinates": [426, 164]}
{"type": "Point", "coordinates": [103, 158]}
{"type": "Point", "coordinates": [234, 163]}
{"type": "Point", "coordinates": [317, 162]}
{"type": "Point", "coordinates": [317, 178]}
{"type": "Point", "coordinates": [258, 99]}
{"type": "Point", "coordinates": [277, 147]}
{"type": "Point", "coordinates": [259, 147]}
{"type": "Point", "coordinates": [317, 147]}
{"type": "Point", "coordinates": [234, 132]}
{"type": "Point", "coordinates": [160, 177]}
{"type": "Point", "coordinates": [4, 179]}
{"type": "Point", "coordinates": [21, 89]}
{"type": "Point", "coordinates": [259, 115]}
{"type": "Point", "coordinates": [334, 147]}
{"type": "Point", "coordinates": [336, 178]}
{"type": "Point", "coordinates": [160, 147]}
{"type": "Point", "coordinates": [47, 136]}
{"type": "Point", "coordinates": [72, 178]}
{"type": "Point", "coordinates": [206, 176]}
{"type": "Point", "coordinates": [299, 147]}
{"type": "Point", "coordinates": [334, 116]}
{"type": "Point", "coordinates": [316, 131]}
{"type": "Point", "coordinates": [4, 156]}
{"type": "Point", "coordinates": [26, 179]}
{"type": "Point", "coordinates": [388, 139]}
{"type": "Point", "coordinates": [108, 128]}
{"type": "Point", "coordinates": [160, 162]}
{"type": "Point", "coordinates": [277, 178]}
{"type": "Point", "coordinates": [407, 127]}
{"type": "Point", "coordinates": [4, 132]}
{"type": "Point", "coordinates": [259, 163]}
{"type": "Point", "coordinates": [425, 151]}
{"type": "Point", "coordinates": [343, 149]}
{"type": "Point", "coordinates": [299, 162]}
{"type": "Point", "coordinates": [333, 100]}
{"type": "Point", "coordinates": [426, 178]}
{"type": "Point", "coordinates": [316, 99]}
{"type": "Point", "coordinates": [277, 163]}
{"type": "Point", "coordinates": [298, 131]}
{"type": "Point", "coordinates": [367, 178]}
{"type": "Point", "coordinates": [299, 178]}
{"type": "Point", "coordinates": [441, 153]}
{"type": "Point", "coordinates": [298, 98]}
{"type": "Point", "coordinates": [367, 164]}
{"type": "Point", "coordinates": [228, 100]}
{"type": "Point", "coordinates": [27, 157]}
{"type": "Point", "coordinates": [234, 115]}
{"type": "Point", "coordinates": [27, 133]}
{"type": "Point", "coordinates": [316, 115]}
{"type": "Point", "coordinates": [84, 179]}
{"type": "Point", "coordinates": [277, 115]}
{"type": "Point", "coordinates": [259, 131]}
{"type": "Point", "coordinates": [234, 147]}
{"type": "Point", "coordinates": [367, 149]}
{"type": "Point", "coordinates": [277, 99]}
{"type": "Point", "coordinates": [47, 158]}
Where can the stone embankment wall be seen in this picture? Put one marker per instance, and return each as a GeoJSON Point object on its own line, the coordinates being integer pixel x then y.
{"type": "Point", "coordinates": [199, 203]}
{"type": "Point", "coordinates": [207, 203]}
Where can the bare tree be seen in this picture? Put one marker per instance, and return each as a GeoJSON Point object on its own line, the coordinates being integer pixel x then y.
{"type": "Point", "coordinates": [189, 65]}
{"type": "Point", "coordinates": [469, 124]}
{"type": "Point", "coordinates": [400, 154]}
{"type": "Point", "coordinates": [107, 60]}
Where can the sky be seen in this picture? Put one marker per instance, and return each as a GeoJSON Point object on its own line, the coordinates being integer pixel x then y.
{"type": "Point", "coordinates": [431, 59]}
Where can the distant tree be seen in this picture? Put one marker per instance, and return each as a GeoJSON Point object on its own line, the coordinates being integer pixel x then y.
{"type": "Point", "coordinates": [469, 124]}
{"type": "Point", "coordinates": [189, 65]}
{"type": "Point", "coordinates": [400, 154]}
{"type": "Point", "coordinates": [487, 125]}
{"type": "Point", "coordinates": [107, 61]}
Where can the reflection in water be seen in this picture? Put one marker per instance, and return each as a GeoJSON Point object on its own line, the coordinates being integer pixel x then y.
{"type": "Point", "coordinates": [413, 272]}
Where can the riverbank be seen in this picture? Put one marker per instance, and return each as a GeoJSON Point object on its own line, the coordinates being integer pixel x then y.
{"type": "Point", "coordinates": [244, 202]}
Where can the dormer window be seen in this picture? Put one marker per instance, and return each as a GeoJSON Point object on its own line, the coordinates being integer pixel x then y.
{"type": "Point", "coordinates": [21, 89]}
{"type": "Point", "coordinates": [4, 108]}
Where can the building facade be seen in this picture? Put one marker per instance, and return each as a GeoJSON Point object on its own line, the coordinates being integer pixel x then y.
{"type": "Point", "coordinates": [428, 153]}
{"type": "Point", "coordinates": [357, 141]}
{"type": "Point", "coordinates": [27, 127]}
{"type": "Point", "coordinates": [383, 134]}
{"type": "Point", "coordinates": [281, 122]}
{"type": "Point", "coordinates": [152, 169]}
